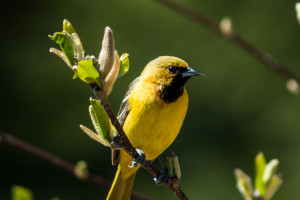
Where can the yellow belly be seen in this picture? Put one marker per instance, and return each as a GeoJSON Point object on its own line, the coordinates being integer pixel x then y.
{"type": "Point", "coordinates": [152, 125]}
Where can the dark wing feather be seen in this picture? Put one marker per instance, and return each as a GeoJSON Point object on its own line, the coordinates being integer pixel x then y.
{"type": "Point", "coordinates": [122, 115]}
{"type": "Point", "coordinates": [124, 108]}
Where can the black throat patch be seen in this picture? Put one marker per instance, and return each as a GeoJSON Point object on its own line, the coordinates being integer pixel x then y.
{"type": "Point", "coordinates": [172, 91]}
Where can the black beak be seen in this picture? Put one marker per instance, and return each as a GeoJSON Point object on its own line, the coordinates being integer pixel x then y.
{"type": "Point", "coordinates": [191, 72]}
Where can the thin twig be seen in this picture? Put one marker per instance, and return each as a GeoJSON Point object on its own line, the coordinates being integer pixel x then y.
{"type": "Point", "coordinates": [199, 18]}
{"type": "Point", "coordinates": [58, 162]}
{"type": "Point", "coordinates": [102, 97]}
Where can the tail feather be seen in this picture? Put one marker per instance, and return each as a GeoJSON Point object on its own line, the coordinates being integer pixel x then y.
{"type": "Point", "coordinates": [122, 186]}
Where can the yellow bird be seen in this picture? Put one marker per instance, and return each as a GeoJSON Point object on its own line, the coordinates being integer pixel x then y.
{"type": "Point", "coordinates": [151, 114]}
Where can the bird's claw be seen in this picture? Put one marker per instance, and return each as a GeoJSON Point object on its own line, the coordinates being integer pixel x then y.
{"type": "Point", "coordinates": [141, 159]}
{"type": "Point", "coordinates": [163, 177]}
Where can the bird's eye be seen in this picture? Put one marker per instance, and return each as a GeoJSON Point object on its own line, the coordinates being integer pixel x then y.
{"type": "Point", "coordinates": [172, 69]}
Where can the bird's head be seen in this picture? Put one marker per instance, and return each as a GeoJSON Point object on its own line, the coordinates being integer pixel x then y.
{"type": "Point", "coordinates": [167, 71]}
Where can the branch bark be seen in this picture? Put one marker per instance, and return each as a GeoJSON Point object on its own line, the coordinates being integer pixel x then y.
{"type": "Point", "coordinates": [60, 163]}
{"type": "Point", "coordinates": [239, 41]}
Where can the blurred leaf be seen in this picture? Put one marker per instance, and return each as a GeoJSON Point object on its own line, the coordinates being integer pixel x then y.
{"type": "Point", "coordinates": [21, 193]}
{"type": "Point", "coordinates": [244, 184]}
{"type": "Point", "coordinates": [260, 165]}
{"type": "Point", "coordinates": [87, 72]}
{"type": "Point", "coordinates": [270, 170]}
{"type": "Point", "coordinates": [65, 45]}
{"type": "Point", "coordinates": [102, 120]}
{"type": "Point", "coordinates": [273, 186]}
{"type": "Point", "coordinates": [124, 64]}
{"type": "Point", "coordinates": [67, 26]}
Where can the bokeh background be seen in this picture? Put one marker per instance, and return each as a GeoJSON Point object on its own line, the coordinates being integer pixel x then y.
{"type": "Point", "coordinates": [239, 109]}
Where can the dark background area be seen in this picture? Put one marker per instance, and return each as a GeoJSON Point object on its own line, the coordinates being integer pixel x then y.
{"type": "Point", "coordinates": [237, 110]}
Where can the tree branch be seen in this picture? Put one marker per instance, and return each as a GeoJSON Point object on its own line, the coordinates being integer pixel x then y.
{"type": "Point", "coordinates": [102, 97]}
{"type": "Point", "coordinates": [60, 163]}
{"type": "Point", "coordinates": [199, 18]}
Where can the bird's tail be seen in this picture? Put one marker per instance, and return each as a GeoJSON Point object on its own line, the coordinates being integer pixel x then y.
{"type": "Point", "coordinates": [122, 185]}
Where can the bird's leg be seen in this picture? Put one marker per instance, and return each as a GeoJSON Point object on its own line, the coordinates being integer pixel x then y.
{"type": "Point", "coordinates": [117, 143]}
{"type": "Point", "coordinates": [164, 176]}
{"type": "Point", "coordinates": [140, 159]}
{"type": "Point", "coordinates": [95, 87]}
{"type": "Point", "coordinates": [161, 162]}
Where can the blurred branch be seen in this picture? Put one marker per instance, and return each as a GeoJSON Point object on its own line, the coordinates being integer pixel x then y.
{"type": "Point", "coordinates": [60, 163]}
{"type": "Point", "coordinates": [101, 96]}
{"type": "Point", "coordinates": [199, 18]}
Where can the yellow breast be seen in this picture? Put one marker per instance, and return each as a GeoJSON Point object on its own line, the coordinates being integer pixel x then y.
{"type": "Point", "coordinates": [152, 125]}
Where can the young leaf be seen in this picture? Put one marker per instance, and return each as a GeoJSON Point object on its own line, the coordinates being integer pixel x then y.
{"type": "Point", "coordinates": [87, 72]}
{"type": "Point", "coordinates": [77, 45]}
{"type": "Point", "coordinates": [124, 64]}
{"type": "Point", "coordinates": [112, 75]}
{"type": "Point", "coordinates": [21, 193]}
{"type": "Point", "coordinates": [61, 55]}
{"type": "Point", "coordinates": [67, 26]}
{"type": "Point", "coordinates": [106, 56]}
{"type": "Point", "coordinates": [65, 45]}
{"type": "Point", "coordinates": [94, 135]}
{"type": "Point", "coordinates": [102, 120]}
{"type": "Point", "coordinates": [260, 166]}
{"type": "Point", "coordinates": [173, 168]}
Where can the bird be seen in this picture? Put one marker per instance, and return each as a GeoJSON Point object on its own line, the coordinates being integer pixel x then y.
{"type": "Point", "coordinates": [151, 114]}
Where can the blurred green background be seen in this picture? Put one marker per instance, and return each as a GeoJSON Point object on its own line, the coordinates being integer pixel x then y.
{"type": "Point", "coordinates": [237, 110]}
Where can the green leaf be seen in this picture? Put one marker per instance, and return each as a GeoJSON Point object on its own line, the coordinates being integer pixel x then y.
{"type": "Point", "coordinates": [67, 26]}
{"type": "Point", "coordinates": [65, 45]}
{"type": "Point", "coordinates": [103, 126]}
{"type": "Point", "coordinates": [260, 166]}
{"type": "Point", "coordinates": [21, 193]}
{"type": "Point", "coordinates": [124, 64]}
{"type": "Point", "coordinates": [87, 72]}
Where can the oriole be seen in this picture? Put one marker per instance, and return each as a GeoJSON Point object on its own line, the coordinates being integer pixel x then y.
{"type": "Point", "coordinates": [151, 114]}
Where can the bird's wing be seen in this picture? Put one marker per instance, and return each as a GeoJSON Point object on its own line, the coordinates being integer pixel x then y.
{"type": "Point", "coordinates": [122, 115]}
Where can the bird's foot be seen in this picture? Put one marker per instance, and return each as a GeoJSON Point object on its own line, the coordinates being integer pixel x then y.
{"type": "Point", "coordinates": [117, 143]}
{"type": "Point", "coordinates": [163, 177]}
{"type": "Point", "coordinates": [141, 159]}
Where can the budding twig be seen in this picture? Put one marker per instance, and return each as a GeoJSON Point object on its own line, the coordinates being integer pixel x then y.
{"type": "Point", "coordinates": [107, 69]}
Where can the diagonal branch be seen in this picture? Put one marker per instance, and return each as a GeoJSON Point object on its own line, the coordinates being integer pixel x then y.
{"type": "Point", "coordinates": [102, 97]}
{"type": "Point", "coordinates": [199, 18]}
{"type": "Point", "coordinates": [58, 162]}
